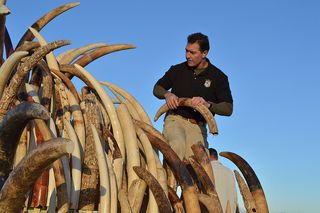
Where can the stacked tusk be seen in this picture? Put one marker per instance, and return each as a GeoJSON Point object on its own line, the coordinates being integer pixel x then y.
{"type": "Point", "coordinates": [69, 151]}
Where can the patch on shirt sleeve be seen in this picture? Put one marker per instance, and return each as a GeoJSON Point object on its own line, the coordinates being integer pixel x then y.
{"type": "Point", "coordinates": [207, 83]}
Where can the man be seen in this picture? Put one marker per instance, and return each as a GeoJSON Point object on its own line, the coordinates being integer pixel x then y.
{"type": "Point", "coordinates": [224, 183]}
{"type": "Point", "coordinates": [198, 79]}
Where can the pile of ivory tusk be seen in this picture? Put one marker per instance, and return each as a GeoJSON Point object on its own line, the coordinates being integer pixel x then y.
{"type": "Point", "coordinates": [94, 150]}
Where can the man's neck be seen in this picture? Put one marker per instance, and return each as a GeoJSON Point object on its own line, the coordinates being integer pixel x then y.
{"type": "Point", "coordinates": [202, 65]}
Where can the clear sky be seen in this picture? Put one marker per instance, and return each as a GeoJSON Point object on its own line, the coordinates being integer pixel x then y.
{"type": "Point", "coordinates": [269, 49]}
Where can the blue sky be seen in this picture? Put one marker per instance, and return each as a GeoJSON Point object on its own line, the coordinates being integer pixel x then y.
{"type": "Point", "coordinates": [269, 49]}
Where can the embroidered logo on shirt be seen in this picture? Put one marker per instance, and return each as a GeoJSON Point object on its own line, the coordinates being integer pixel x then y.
{"type": "Point", "coordinates": [207, 83]}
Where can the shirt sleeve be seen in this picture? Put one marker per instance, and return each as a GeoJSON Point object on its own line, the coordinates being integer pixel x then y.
{"type": "Point", "coordinates": [167, 80]}
{"type": "Point", "coordinates": [223, 91]}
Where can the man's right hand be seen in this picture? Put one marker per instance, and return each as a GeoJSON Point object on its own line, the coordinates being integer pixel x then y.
{"type": "Point", "coordinates": [171, 100]}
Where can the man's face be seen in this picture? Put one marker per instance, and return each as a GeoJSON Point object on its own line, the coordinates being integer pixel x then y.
{"type": "Point", "coordinates": [193, 54]}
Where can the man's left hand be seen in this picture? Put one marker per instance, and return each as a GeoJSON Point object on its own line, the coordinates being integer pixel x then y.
{"type": "Point", "coordinates": [195, 101]}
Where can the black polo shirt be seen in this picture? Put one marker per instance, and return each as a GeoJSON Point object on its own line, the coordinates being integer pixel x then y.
{"type": "Point", "coordinates": [211, 84]}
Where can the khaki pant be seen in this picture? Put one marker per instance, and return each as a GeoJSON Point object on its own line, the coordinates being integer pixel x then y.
{"type": "Point", "coordinates": [181, 135]}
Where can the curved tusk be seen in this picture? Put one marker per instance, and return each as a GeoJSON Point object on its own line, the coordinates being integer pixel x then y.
{"type": "Point", "coordinates": [151, 164]}
{"type": "Point", "coordinates": [40, 23]}
{"type": "Point", "coordinates": [70, 69]}
{"type": "Point", "coordinates": [101, 51]}
{"type": "Point", "coordinates": [52, 192]}
{"type": "Point", "coordinates": [103, 173]}
{"type": "Point", "coordinates": [107, 102]}
{"type": "Point", "coordinates": [47, 85]}
{"type": "Point", "coordinates": [248, 200]}
{"type": "Point", "coordinates": [136, 194]}
{"type": "Point", "coordinates": [252, 180]}
{"type": "Point", "coordinates": [142, 113]}
{"type": "Point", "coordinates": [130, 140]}
{"type": "Point", "coordinates": [149, 128]}
{"type": "Point", "coordinates": [113, 186]}
{"type": "Point", "coordinates": [62, 179]}
{"type": "Point", "coordinates": [12, 195]}
{"type": "Point", "coordinates": [161, 174]}
{"type": "Point", "coordinates": [69, 84]}
{"type": "Point", "coordinates": [204, 111]}
{"type": "Point", "coordinates": [202, 157]}
{"type": "Point", "coordinates": [207, 184]}
{"type": "Point", "coordinates": [78, 121]}
{"type": "Point", "coordinates": [184, 178]}
{"type": "Point", "coordinates": [28, 45]}
{"type": "Point", "coordinates": [51, 60]}
{"type": "Point", "coordinates": [7, 67]}
{"type": "Point", "coordinates": [154, 186]}
{"type": "Point", "coordinates": [10, 91]}
{"type": "Point", "coordinates": [175, 201]}
{"type": "Point", "coordinates": [53, 65]}
{"type": "Point", "coordinates": [11, 128]}
{"type": "Point", "coordinates": [68, 57]}
{"type": "Point", "coordinates": [76, 166]}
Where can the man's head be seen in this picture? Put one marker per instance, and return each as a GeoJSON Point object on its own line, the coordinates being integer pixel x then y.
{"type": "Point", "coordinates": [197, 50]}
{"type": "Point", "coordinates": [213, 154]}
{"type": "Point", "coordinates": [201, 39]}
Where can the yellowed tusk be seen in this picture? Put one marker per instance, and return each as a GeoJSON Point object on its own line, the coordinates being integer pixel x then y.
{"type": "Point", "coordinates": [103, 173]}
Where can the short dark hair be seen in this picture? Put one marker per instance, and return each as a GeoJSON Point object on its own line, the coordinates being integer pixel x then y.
{"type": "Point", "coordinates": [213, 152]}
{"type": "Point", "coordinates": [201, 39]}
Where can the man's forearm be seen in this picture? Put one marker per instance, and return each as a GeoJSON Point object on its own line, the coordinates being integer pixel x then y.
{"type": "Point", "coordinates": [223, 108]}
{"type": "Point", "coordinates": [159, 91]}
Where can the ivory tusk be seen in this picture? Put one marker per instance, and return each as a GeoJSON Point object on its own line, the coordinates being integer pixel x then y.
{"type": "Point", "coordinates": [151, 164]}
{"type": "Point", "coordinates": [103, 173]}
{"type": "Point", "coordinates": [7, 67]}
{"type": "Point", "coordinates": [159, 195]}
{"type": "Point", "coordinates": [11, 128]}
{"type": "Point", "coordinates": [208, 185]}
{"type": "Point", "coordinates": [75, 167]}
{"type": "Point", "coordinates": [248, 200]}
{"type": "Point", "coordinates": [40, 23]}
{"type": "Point", "coordinates": [10, 91]}
{"type": "Point", "coordinates": [12, 195]}
{"type": "Point", "coordinates": [188, 189]}
{"type": "Point", "coordinates": [78, 121]}
{"type": "Point", "coordinates": [101, 51]}
{"type": "Point", "coordinates": [106, 100]}
{"type": "Point", "coordinates": [142, 114]}
{"type": "Point", "coordinates": [68, 57]}
{"type": "Point", "coordinates": [130, 139]}
{"type": "Point", "coordinates": [202, 157]}
{"type": "Point", "coordinates": [51, 60]}
{"type": "Point", "coordinates": [149, 128]}
{"type": "Point", "coordinates": [204, 111]}
{"type": "Point", "coordinates": [252, 180]}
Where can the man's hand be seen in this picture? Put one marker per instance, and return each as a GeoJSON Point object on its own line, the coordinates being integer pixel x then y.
{"type": "Point", "coordinates": [195, 101]}
{"type": "Point", "coordinates": [172, 100]}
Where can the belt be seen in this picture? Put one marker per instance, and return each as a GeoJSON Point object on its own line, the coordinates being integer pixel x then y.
{"type": "Point", "coordinates": [191, 120]}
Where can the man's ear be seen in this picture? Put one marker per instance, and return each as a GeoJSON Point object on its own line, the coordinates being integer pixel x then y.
{"type": "Point", "coordinates": [204, 54]}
